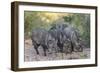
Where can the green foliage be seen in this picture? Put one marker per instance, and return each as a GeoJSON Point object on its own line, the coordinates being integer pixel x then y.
{"type": "Point", "coordinates": [67, 18]}
{"type": "Point", "coordinates": [34, 19]}
{"type": "Point", "coordinates": [82, 23]}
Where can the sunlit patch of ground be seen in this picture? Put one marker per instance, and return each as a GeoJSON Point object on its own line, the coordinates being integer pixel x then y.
{"type": "Point", "coordinates": [30, 54]}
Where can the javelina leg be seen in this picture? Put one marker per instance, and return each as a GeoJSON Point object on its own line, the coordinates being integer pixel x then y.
{"type": "Point", "coordinates": [44, 49]}
{"type": "Point", "coordinates": [60, 46]}
{"type": "Point", "coordinates": [36, 48]}
{"type": "Point", "coordinates": [80, 48]}
{"type": "Point", "coordinates": [72, 48]}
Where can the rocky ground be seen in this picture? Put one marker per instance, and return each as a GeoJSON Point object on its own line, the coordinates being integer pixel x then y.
{"type": "Point", "coordinates": [30, 54]}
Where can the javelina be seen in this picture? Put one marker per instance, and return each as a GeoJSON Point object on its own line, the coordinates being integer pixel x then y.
{"type": "Point", "coordinates": [43, 38]}
{"type": "Point", "coordinates": [71, 34]}
{"type": "Point", "coordinates": [57, 32]}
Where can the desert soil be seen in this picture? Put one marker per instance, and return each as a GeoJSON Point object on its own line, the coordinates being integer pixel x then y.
{"type": "Point", "coordinates": [30, 54]}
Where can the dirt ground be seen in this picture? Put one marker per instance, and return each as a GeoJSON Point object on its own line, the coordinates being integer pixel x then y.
{"type": "Point", "coordinates": [30, 54]}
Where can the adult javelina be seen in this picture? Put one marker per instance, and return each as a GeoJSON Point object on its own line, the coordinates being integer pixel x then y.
{"type": "Point", "coordinates": [72, 36]}
{"type": "Point", "coordinates": [57, 32]}
{"type": "Point", "coordinates": [43, 38]}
